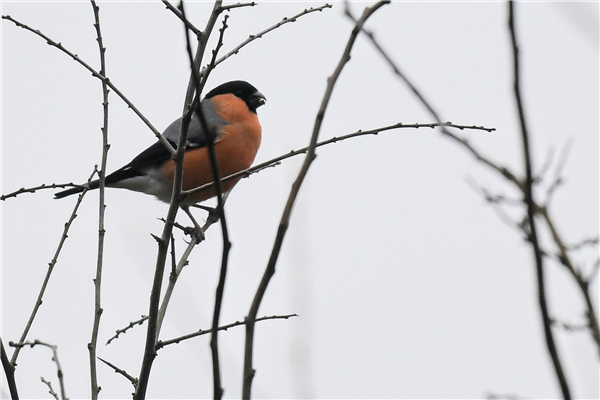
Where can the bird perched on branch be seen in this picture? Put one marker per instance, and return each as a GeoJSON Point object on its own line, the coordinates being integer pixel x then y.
{"type": "Point", "coordinates": [229, 109]}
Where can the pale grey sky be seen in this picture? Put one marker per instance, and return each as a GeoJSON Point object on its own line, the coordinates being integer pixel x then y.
{"type": "Point", "coordinates": [407, 283]}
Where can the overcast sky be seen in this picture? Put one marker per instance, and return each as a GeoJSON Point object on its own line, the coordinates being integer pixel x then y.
{"type": "Point", "coordinates": [407, 284]}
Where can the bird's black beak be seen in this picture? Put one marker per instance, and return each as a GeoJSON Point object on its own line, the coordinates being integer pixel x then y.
{"type": "Point", "coordinates": [258, 99]}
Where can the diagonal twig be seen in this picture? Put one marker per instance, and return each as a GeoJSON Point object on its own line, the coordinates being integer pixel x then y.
{"type": "Point", "coordinates": [260, 34]}
{"type": "Point", "coordinates": [134, 381]}
{"type": "Point", "coordinates": [304, 150]}
{"type": "Point", "coordinates": [128, 327]}
{"type": "Point", "coordinates": [51, 265]}
{"type": "Point", "coordinates": [163, 343]}
{"type": "Point", "coordinates": [98, 75]}
{"type": "Point", "coordinates": [285, 218]}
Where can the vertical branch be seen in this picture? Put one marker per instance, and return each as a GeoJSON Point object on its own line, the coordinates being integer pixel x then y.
{"type": "Point", "coordinates": [101, 208]}
{"type": "Point", "coordinates": [9, 371]}
{"type": "Point", "coordinates": [211, 136]}
{"type": "Point", "coordinates": [163, 241]}
{"type": "Point", "coordinates": [202, 42]}
{"type": "Point", "coordinates": [531, 211]}
{"type": "Point", "coordinates": [285, 218]}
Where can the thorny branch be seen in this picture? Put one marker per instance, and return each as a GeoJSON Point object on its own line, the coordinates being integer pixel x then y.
{"type": "Point", "coordinates": [134, 381]}
{"type": "Point", "coordinates": [285, 218]}
{"type": "Point", "coordinates": [98, 75]}
{"type": "Point", "coordinates": [505, 172]}
{"type": "Point", "coordinates": [50, 388]}
{"type": "Point", "coordinates": [128, 327]}
{"type": "Point", "coordinates": [59, 372]}
{"type": "Point", "coordinates": [176, 198]}
{"type": "Point", "coordinates": [177, 340]}
{"type": "Point", "coordinates": [51, 265]}
{"type": "Point", "coordinates": [211, 136]}
{"type": "Point", "coordinates": [260, 34]}
{"type": "Point", "coordinates": [36, 188]}
{"type": "Point", "coordinates": [176, 271]}
{"type": "Point", "coordinates": [92, 345]}
{"type": "Point", "coordinates": [276, 161]}
{"type": "Point", "coordinates": [292, 153]}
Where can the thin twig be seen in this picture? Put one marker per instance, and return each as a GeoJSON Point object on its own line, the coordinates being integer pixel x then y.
{"type": "Point", "coordinates": [237, 5]}
{"type": "Point", "coordinates": [163, 343]}
{"type": "Point", "coordinates": [98, 75]}
{"type": "Point", "coordinates": [51, 265]}
{"type": "Point", "coordinates": [59, 372]}
{"type": "Point", "coordinates": [176, 272]}
{"type": "Point", "coordinates": [531, 211]}
{"type": "Point", "coordinates": [583, 284]}
{"type": "Point", "coordinates": [504, 171]}
{"type": "Point", "coordinates": [128, 327]}
{"type": "Point", "coordinates": [179, 15]}
{"type": "Point", "coordinates": [36, 188]}
{"type": "Point", "coordinates": [134, 381]}
{"type": "Point", "coordinates": [285, 218]}
{"type": "Point", "coordinates": [593, 241]}
{"type": "Point", "coordinates": [50, 388]}
{"type": "Point", "coordinates": [275, 161]}
{"type": "Point", "coordinates": [260, 34]}
{"type": "Point", "coordinates": [92, 345]}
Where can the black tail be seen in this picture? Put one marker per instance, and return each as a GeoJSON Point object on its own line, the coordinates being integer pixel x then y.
{"type": "Point", "coordinates": [93, 185]}
{"type": "Point", "coordinates": [119, 175]}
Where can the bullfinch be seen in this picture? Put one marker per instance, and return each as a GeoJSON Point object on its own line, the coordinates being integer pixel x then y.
{"type": "Point", "coordinates": [229, 109]}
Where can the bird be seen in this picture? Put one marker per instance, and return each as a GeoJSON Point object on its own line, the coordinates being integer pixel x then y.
{"type": "Point", "coordinates": [230, 111]}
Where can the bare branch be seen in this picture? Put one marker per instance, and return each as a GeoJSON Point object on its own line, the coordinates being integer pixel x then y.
{"type": "Point", "coordinates": [276, 161]}
{"type": "Point", "coordinates": [237, 5]}
{"type": "Point", "coordinates": [59, 372]}
{"type": "Point", "coordinates": [9, 371]}
{"type": "Point", "coordinates": [583, 284]}
{"type": "Point", "coordinates": [36, 188]}
{"type": "Point", "coordinates": [134, 381]}
{"type": "Point", "coordinates": [496, 201]}
{"type": "Point", "coordinates": [98, 75]}
{"type": "Point", "coordinates": [128, 327]}
{"type": "Point", "coordinates": [176, 198]}
{"type": "Point", "coordinates": [50, 388]}
{"type": "Point", "coordinates": [51, 265]}
{"type": "Point", "coordinates": [163, 343]}
{"type": "Point", "coordinates": [531, 211]}
{"type": "Point", "coordinates": [504, 171]}
{"type": "Point", "coordinates": [179, 15]}
{"type": "Point", "coordinates": [199, 85]}
{"type": "Point", "coordinates": [285, 218]}
{"type": "Point", "coordinates": [260, 34]}
{"type": "Point", "coordinates": [95, 389]}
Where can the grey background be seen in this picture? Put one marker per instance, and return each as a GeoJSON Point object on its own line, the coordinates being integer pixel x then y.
{"type": "Point", "coordinates": [407, 284]}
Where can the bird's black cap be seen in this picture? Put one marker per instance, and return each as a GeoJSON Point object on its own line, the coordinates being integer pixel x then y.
{"type": "Point", "coordinates": [243, 90]}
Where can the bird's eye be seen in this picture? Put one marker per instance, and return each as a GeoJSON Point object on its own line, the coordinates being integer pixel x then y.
{"type": "Point", "coordinates": [238, 93]}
